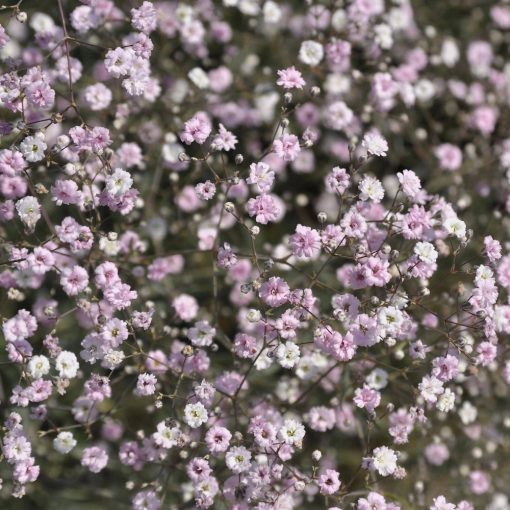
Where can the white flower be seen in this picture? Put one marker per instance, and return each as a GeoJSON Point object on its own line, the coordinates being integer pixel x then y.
{"type": "Point", "coordinates": [38, 366]}
{"type": "Point", "coordinates": [249, 7]}
{"type": "Point", "coordinates": [202, 334]}
{"type": "Point", "coordinates": [110, 246]}
{"type": "Point", "coordinates": [430, 387]}
{"type": "Point", "coordinates": [339, 20]}
{"type": "Point", "coordinates": [371, 189]}
{"type": "Point", "coordinates": [455, 227]}
{"type": "Point", "coordinates": [426, 252]}
{"type": "Point", "coordinates": [32, 148]}
{"type": "Point", "coordinates": [292, 432]}
{"type": "Point", "coordinates": [424, 90]}
{"type": "Point", "coordinates": [468, 413]}
{"type": "Point", "coordinates": [119, 182]}
{"type": "Point", "coordinates": [264, 360]}
{"type": "Point", "coordinates": [195, 415]}
{"type": "Point", "coordinates": [384, 460]}
{"type": "Point", "coordinates": [64, 442]}
{"type": "Point", "coordinates": [288, 354]}
{"type": "Point", "coordinates": [29, 211]}
{"type": "Point", "coordinates": [238, 459]}
{"type": "Point", "coordinates": [253, 315]}
{"type": "Point", "coordinates": [446, 401]}
{"type": "Point", "coordinates": [166, 436]}
{"type": "Point", "coordinates": [390, 318]}
{"type": "Point", "coordinates": [484, 274]}
{"type": "Point", "coordinates": [375, 144]}
{"type": "Point", "coordinates": [67, 365]}
{"type": "Point", "coordinates": [272, 12]}
{"type": "Point", "coordinates": [450, 53]}
{"type": "Point", "coordinates": [113, 359]}
{"type": "Point", "coordinates": [311, 52]}
{"type": "Point", "coordinates": [383, 36]}
{"type": "Point", "coordinates": [40, 22]}
{"type": "Point", "coordinates": [199, 77]}
{"type": "Point", "coordinates": [170, 151]}
{"type": "Point", "coordinates": [377, 379]}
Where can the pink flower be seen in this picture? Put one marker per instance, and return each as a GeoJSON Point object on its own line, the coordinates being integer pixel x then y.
{"type": "Point", "coordinates": [450, 156]}
{"type": "Point", "coordinates": [306, 242]}
{"type": "Point", "coordinates": [375, 144]}
{"type": "Point", "coordinates": [205, 190]}
{"type": "Point", "coordinates": [274, 292]}
{"type": "Point", "coordinates": [264, 208]}
{"type": "Point", "coordinates": [367, 398]}
{"type": "Point", "coordinates": [197, 129]}
{"type": "Point", "coordinates": [66, 192]}
{"type": "Point", "coordinates": [410, 183]}
{"type": "Point", "coordinates": [329, 482]}
{"type": "Point", "coordinates": [287, 147]}
{"type": "Point", "coordinates": [218, 439]}
{"type": "Point", "coordinates": [186, 307]}
{"type": "Point", "coordinates": [262, 176]}
{"type": "Point", "coordinates": [290, 78]}
{"type": "Point", "coordinates": [74, 280]}
{"type": "Point", "coordinates": [224, 140]}
{"type": "Point", "coordinates": [144, 18]}
{"type": "Point", "coordinates": [492, 248]}
{"type": "Point", "coordinates": [94, 458]}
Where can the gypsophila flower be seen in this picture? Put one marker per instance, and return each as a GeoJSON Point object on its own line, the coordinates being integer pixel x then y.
{"type": "Point", "coordinates": [64, 442]}
{"type": "Point", "coordinates": [195, 415]}
{"type": "Point", "coordinates": [371, 189]}
{"type": "Point", "coordinates": [384, 460]}
{"type": "Point", "coordinates": [288, 354]}
{"type": "Point", "coordinates": [28, 209]}
{"type": "Point", "coordinates": [238, 459]}
{"type": "Point", "coordinates": [32, 148]}
{"type": "Point", "coordinates": [292, 432]}
{"type": "Point", "coordinates": [375, 144]}
{"type": "Point", "coordinates": [311, 53]}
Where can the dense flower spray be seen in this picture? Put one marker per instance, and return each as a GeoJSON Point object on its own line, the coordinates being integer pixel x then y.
{"type": "Point", "coordinates": [254, 254]}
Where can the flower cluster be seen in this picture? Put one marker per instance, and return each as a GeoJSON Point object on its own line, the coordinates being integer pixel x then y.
{"type": "Point", "coordinates": [255, 254]}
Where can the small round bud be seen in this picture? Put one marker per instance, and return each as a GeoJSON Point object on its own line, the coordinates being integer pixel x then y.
{"type": "Point", "coordinates": [229, 207]}
{"type": "Point", "coordinates": [315, 91]}
{"type": "Point", "coordinates": [239, 159]}
{"type": "Point", "coordinates": [316, 455]}
{"type": "Point", "coordinates": [253, 315]}
{"type": "Point", "coordinates": [399, 354]}
{"type": "Point", "coordinates": [287, 97]}
{"type": "Point", "coordinates": [21, 16]}
{"type": "Point", "coordinates": [255, 230]}
{"type": "Point", "coordinates": [284, 122]}
{"type": "Point", "coordinates": [322, 217]}
{"type": "Point", "coordinates": [183, 157]}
